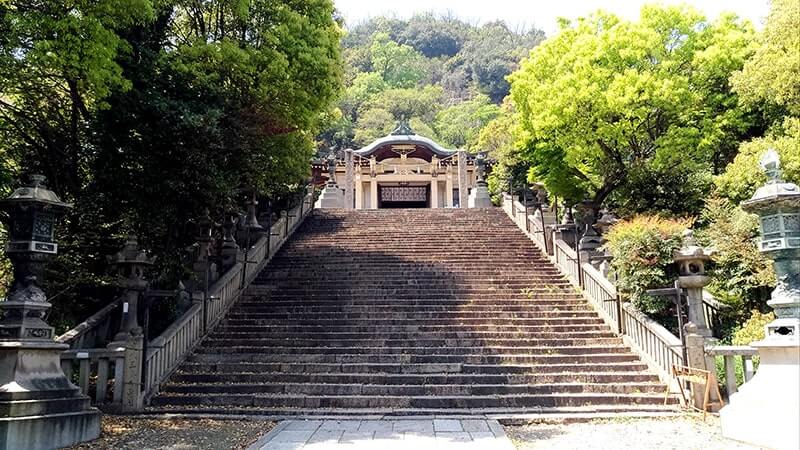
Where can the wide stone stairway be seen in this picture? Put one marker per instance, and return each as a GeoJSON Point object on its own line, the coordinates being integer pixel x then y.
{"type": "Point", "coordinates": [406, 312]}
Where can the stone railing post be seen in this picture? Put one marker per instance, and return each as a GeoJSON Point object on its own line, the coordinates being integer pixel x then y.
{"type": "Point", "coordinates": [131, 263]}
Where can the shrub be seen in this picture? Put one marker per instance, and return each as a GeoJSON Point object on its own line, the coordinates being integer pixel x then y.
{"type": "Point", "coordinates": [753, 329]}
{"type": "Point", "coordinates": [642, 248]}
{"type": "Point", "coordinates": [741, 276]}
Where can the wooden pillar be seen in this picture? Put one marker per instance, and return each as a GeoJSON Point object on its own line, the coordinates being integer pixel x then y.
{"type": "Point", "coordinates": [448, 189]}
{"type": "Point", "coordinates": [434, 192]}
{"type": "Point", "coordinates": [373, 193]}
{"type": "Point", "coordinates": [349, 179]}
{"type": "Point", "coordinates": [359, 192]}
{"type": "Point", "coordinates": [463, 191]}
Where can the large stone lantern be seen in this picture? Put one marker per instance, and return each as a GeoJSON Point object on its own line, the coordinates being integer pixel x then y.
{"type": "Point", "coordinates": [766, 410]}
{"type": "Point", "coordinates": [691, 260]}
{"type": "Point", "coordinates": [479, 197]}
{"type": "Point", "coordinates": [131, 264]}
{"type": "Point", "coordinates": [331, 196]}
{"type": "Point", "coordinates": [41, 408]}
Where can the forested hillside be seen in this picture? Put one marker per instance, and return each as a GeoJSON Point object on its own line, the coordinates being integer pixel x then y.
{"type": "Point", "coordinates": [446, 76]}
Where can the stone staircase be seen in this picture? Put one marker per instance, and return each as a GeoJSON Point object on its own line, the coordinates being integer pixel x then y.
{"type": "Point", "coordinates": [406, 312]}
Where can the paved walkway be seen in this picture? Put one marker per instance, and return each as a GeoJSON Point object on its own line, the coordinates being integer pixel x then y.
{"type": "Point", "coordinates": [414, 434]}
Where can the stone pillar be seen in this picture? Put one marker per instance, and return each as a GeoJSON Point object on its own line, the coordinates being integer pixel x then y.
{"type": "Point", "coordinates": [434, 192]}
{"type": "Point", "coordinates": [41, 409]}
{"type": "Point", "coordinates": [349, 179]}
{"type": "Point", "coordinates": [373, 193]}
{"type": "Point", "coordinates": [463, 183]}
{"type": "Point", "coordinates": [764, 412]}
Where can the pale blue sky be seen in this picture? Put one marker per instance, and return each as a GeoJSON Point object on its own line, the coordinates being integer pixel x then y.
{"type": "Point", "coordinates": [542, 14]}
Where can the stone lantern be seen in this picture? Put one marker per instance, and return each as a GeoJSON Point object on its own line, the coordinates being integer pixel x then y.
{"type": "Point", "coordinates": [331, 196]}
{"type": "Point", "coordinates": [41, 408]}
{"type": "Point", "coordinates": [691, 260]}
{"type": "Point", "coordinates": [479, 197]}
{"type": "Point", "coordinates": [766, 410]}
{"type": "Point", "coordinates": [130, 263]}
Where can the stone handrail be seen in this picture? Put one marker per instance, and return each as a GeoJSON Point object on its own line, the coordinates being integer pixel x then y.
{"type": "Point", "coordinates": [659, 348]}
{"type": "Point", "coordinates": [99, 373]}
{"type": "Point", "coordinates": [729, 353]}
{"type": "Point", "coordinates": [97, 330]}
{"type": "Point", "coordinates": [167, 351]}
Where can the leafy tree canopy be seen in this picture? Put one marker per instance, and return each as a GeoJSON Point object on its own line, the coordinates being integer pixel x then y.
{"type": "Point", "coordinates": [609, 108]}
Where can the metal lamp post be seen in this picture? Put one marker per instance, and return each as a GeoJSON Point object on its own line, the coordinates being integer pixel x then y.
{"type": "Point", "coordinates": [42, 408]}
{"type": "Point", "coordinates": [766, 410]}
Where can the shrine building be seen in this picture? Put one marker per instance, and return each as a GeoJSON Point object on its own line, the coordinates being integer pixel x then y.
{"type": "Point", "coordinates": [401, 170]}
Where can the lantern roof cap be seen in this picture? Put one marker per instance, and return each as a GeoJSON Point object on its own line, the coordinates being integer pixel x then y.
{"type": "Point", "coordinates": [777, 192]}
{"type": "Point", "coordinates": [691, 251]}
{"type": "Point", "coordinates": [35, 191]}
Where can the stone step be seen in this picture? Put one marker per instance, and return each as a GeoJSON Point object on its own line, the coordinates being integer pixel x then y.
{"type": "Point", "coordinates": [386, 401]}
{"type": "Point", "coordinates": [534, 330]}
{"type": "Point", "coordinates": [411, 378]}
{"type": "Point", "coordinates": [383, 335]}
{"type": "Point", "coordinates": [408, 350]}
{"type": "Point", "coordinates": [413, 390]}
{"type": "Point", "coordinates": [431, 363]}
{"type": "Point", "coordinates": [411, 312]}
{"type": "Point", "coordinates": [409, 343]}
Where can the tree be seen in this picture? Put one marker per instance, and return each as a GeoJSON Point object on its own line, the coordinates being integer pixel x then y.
{"type": "Point", "coordinates": [144, 114]}
{"type": "Point", "coordinates": [771, 78]}
{"type": "Point", "coordinates": [373, 124]}
{"type": "Point", "coordinates": [435, 37]}
{"type": "Point", "coordinates": [459, 125]}
{"type": "Point", "coordinates": [772, 74]}
{"type": "Point", "coordinates": [399, 65]}
{"type": "Point", "coordinates": [492, 53]}
{"type": "Point", "coordinates": [609, 107]}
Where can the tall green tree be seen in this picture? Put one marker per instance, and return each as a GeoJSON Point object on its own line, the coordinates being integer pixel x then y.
{"type": "Point", "coordinates": [636, 113]}
{"type": "Point", "coordinates": [146, 113]}
{"type": "Point", "coordinates": [769, 80]}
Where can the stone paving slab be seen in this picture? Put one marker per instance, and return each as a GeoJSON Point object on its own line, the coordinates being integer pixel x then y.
{"type": "Point", "coordinates": [416, 434]}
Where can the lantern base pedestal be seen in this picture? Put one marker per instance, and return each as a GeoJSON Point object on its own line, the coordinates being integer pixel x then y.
{"type": "Point", "coordinates": [766, 410]}
{"type": "Point", "coordinates": [39, 407]}
{"type": "Point", "coordinates": [479, 197]}
{"type": "Point", "coordinates": [331, 198]}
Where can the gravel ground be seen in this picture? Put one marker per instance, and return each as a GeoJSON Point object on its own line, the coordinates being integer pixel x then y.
{"type": "Point", "coordinates": [132, 433]}
{"type": "Point", "coordinates": [683, 433]}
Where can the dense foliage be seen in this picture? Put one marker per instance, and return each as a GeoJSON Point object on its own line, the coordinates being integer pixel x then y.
{"type": "Point", "coordinates": [448, 77]}
{"type": "Point", "coordinates": [635, 114]}
{"type": "Point", "coordinates": [145, 112]}
{"type": "Point", "coordinates": [643, 248]}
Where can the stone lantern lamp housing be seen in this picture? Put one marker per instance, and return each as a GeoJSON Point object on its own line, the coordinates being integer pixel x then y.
{"type": "Point", "coordinates": [766, 410]}
{"type": "Point", "coordinates": [39, 407]}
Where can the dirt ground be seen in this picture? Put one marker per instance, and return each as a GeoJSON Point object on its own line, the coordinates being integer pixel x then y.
{"type": "Point", "coordinates": [135, 433]}
{"type": "Point", "coordinates": [679, 433]}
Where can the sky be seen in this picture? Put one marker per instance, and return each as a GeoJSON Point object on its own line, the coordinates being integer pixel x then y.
{"type": "Point", "coordinates": [524, 14]}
